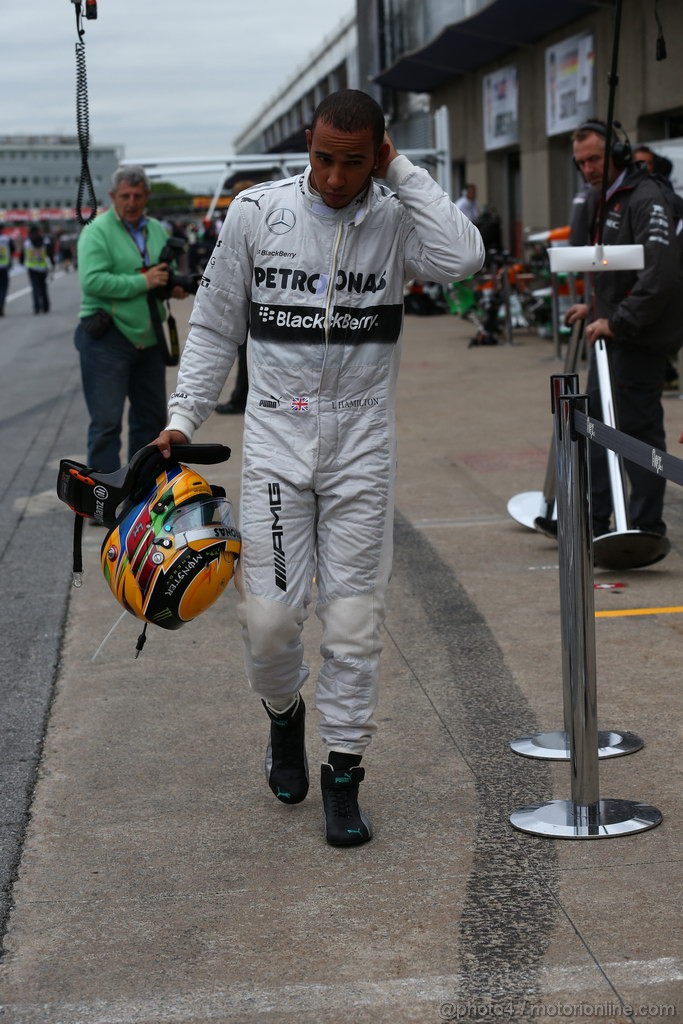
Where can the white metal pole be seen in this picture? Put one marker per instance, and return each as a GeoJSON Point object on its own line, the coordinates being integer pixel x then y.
{"type": "Point", "coordinates": [609, 417]}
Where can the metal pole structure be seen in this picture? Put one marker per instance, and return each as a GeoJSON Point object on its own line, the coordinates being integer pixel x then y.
{"type": "Point", "coordinates": [613, 81]}
{"type": "Point", "coordinates": [555, 314]}
{"type": "Point", "coordinates": [572, 288]}
{"type": "Point", "coordinates": [535, 509]}
{"type": "Point", "coordinates": [623, 547]}
{"type": "Point", "coordinates": [216, 196]}
{"type": "Point", "coordinates": [586, 815]}
{"type": "Point", "coordinates": [443, 149]}
{"type": "Point", "coordinates": [549, 487]}
{"type": "Point", "coordinates": [576, 546]}
{"type": "Point", "coordinates": [556, 745]}
{"type": "Point", "coordinates": [616, 477]}
{"type": "Point", "coordinates": [568, 385]}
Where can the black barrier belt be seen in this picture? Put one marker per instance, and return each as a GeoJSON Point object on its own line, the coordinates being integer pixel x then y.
{"type": "Point", "coordinates": [657, 461]}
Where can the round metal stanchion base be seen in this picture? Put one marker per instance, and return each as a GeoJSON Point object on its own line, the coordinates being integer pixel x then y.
{"type": "Point", "coordinates": [554, 746]}
{"type": "Point", "coordinates": [563, 819]}
{"type": "Point", "coordinates": [630, 549]}
{"type": "Point", "coordinates": [525, 507]}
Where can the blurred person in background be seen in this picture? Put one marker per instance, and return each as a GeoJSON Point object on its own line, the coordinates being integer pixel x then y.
{"type": "Point", "coordinates": [237, 402]}
{"type": "Point", "coordinates": [662, 168]}
{"type": "Point", "coordinates": [6, 253]}
{"type": "Point", "coordinates": [36, 257]}
{"type": "Point", "coordinates": [645, 155]}
{"type": "Point", "coordinates": [468, 203]}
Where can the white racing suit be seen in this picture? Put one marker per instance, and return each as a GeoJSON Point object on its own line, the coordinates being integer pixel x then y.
{"type": "Point", "coordinates": [320, 292]}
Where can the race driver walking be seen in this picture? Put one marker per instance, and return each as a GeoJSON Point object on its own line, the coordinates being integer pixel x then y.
{"type": "Point", "coordinates": [313, 269]}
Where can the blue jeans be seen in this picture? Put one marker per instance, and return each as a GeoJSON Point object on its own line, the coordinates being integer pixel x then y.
{"type": "Point", "coordinates": [112, 369]}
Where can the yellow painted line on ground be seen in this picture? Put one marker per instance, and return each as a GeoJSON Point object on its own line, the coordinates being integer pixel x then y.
{"type": "Point", "coordinates": [637, 611]}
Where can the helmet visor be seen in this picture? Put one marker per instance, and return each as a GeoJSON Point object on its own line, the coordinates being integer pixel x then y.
{"type": "Point", "coordinates": [204, 519]}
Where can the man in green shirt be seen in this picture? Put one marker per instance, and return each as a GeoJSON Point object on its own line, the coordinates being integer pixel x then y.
{"type": "Point", "coordinates": [120, 352]}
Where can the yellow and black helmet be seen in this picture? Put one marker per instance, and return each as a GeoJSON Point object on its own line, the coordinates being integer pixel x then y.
{"type": "Point", "coordinates": [172, 554]}
{"type": "Point", "coordinates": [172, 542]}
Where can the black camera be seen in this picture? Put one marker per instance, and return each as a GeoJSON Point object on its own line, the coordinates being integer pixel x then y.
{"type": "Point", "coordinates": [171, 251]}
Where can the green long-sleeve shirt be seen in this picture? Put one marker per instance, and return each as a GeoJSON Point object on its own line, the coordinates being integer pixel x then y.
{"type": "Point", "coordinates": [109, 265]}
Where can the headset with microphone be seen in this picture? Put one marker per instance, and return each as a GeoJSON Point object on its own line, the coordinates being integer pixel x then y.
{"type": "Point", "coordinates": [620, 152]}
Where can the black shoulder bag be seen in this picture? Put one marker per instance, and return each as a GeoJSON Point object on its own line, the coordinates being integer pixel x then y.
{"type": "Point", "coordinates": [171, 347]}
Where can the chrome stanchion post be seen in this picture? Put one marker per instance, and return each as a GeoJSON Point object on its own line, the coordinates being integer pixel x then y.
{"type": "Point", "coordinates": [586, 815]}
{"type": "Point", "coordinates": [576, 554]}
{"type": "Point", "coordinates": [549, 485]}
{"type": "Point", "coordinates": [535, 509]}
{"type": "Point", "coordinates": [555, 314]}
{"type": "Point", "coordinates": [556, 745]}
{"type": "Point", "coordinates": [615, 469]}
{"type": "Point", "coordinates": [568, 385]}
{"type": "Point", "coordinates": [572, 289]}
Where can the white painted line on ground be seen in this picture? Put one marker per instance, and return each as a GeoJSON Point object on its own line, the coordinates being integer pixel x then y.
{"type": "Point", "coordinates": [433, 524]}
{"type": "Point", "coordinates": [27, 291]}
{"type": "Point", "coordinates": [18, 295]}
{"type": "Point", "coordinates": [237, 1001]}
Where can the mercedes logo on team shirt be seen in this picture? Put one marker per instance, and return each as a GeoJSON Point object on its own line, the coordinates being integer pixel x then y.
{"type": "Point", "coordinates": [281, 221]}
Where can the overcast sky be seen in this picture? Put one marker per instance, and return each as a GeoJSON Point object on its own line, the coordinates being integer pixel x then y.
{"type": "Point", "coordinates": [165, 77]}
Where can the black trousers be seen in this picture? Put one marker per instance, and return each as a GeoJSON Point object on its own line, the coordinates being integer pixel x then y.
{"type": "Point", "coordinates": [41, 299]}
{"type": "Point", "coordinates": [637, 384]}
{"type": "Point", "coordinates": [4, 283]}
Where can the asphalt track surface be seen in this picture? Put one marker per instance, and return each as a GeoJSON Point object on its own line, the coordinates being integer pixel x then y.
{"type": "Point", "coordinates": [41, 421]}
{"type": "Point", "coordinates": [136, 902]}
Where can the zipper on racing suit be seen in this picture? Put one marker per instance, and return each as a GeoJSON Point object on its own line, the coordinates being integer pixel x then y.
{"type": "Point", "coordinates": [329, 296]}
{"type": "Point", "coordinates": [329, 309]}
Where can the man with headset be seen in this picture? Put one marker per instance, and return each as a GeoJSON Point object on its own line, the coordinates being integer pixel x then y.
{"type": "Point", "coordinates": [638, 313]}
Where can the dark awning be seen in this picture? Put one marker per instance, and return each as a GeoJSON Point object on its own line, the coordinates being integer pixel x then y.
{"type": "Point", "coordinates": [466, 45]}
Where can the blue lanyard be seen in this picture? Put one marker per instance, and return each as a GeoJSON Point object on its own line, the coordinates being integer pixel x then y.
{"type": "Point", "coordinates": [139, 237]}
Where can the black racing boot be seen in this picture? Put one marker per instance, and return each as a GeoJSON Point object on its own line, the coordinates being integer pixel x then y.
{"type": "Point", "coordinates": [286, 762]}
{"type": "Point", "coordinates": [345, 823]}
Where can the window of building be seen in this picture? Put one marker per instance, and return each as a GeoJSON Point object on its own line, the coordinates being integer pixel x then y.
{"type": "Point", "coordinates": [674, 126]}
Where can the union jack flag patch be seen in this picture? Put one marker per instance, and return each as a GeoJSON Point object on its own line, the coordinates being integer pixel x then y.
{"type": "Point", "coordinates": [300, 404]}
